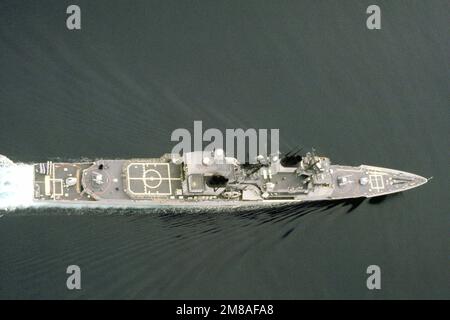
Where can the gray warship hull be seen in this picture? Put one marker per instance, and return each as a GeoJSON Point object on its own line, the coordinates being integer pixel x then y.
{"type": "Point", "coordinates": [210, 179]}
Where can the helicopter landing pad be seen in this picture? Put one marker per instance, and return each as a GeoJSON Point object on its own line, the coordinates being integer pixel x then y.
{"type": "Point", "coordinates": [149, 179]}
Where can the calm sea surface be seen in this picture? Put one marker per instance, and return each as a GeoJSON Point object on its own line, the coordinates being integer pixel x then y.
{"type": "Point", "coordinates": [137, 70]}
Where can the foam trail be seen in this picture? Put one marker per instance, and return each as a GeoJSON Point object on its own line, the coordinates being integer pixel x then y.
{"type": "Point", "coordinates": [16, 184]}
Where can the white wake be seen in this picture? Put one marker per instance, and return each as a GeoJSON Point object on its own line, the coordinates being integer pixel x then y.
{"type": "Point", "coordinates": [16, 184]}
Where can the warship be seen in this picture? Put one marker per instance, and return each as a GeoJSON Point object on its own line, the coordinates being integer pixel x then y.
{"type": "Point", "coordinates": [209, 178]}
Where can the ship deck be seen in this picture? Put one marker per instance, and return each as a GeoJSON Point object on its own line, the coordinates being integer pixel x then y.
{"type": "Point", "coordinates": [50, 181]}
{"type": "Point", "coordinates": [151, 178]}
{"type": "Point", "coordinates": [139, 179]}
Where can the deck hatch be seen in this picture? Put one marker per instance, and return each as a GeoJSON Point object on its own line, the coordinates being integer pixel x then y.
{"type": "Point", "coordinates": [376, 182]}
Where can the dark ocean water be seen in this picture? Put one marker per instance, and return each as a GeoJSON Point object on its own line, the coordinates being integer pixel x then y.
{"type": "Point", "coordinates": [137, 70]}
